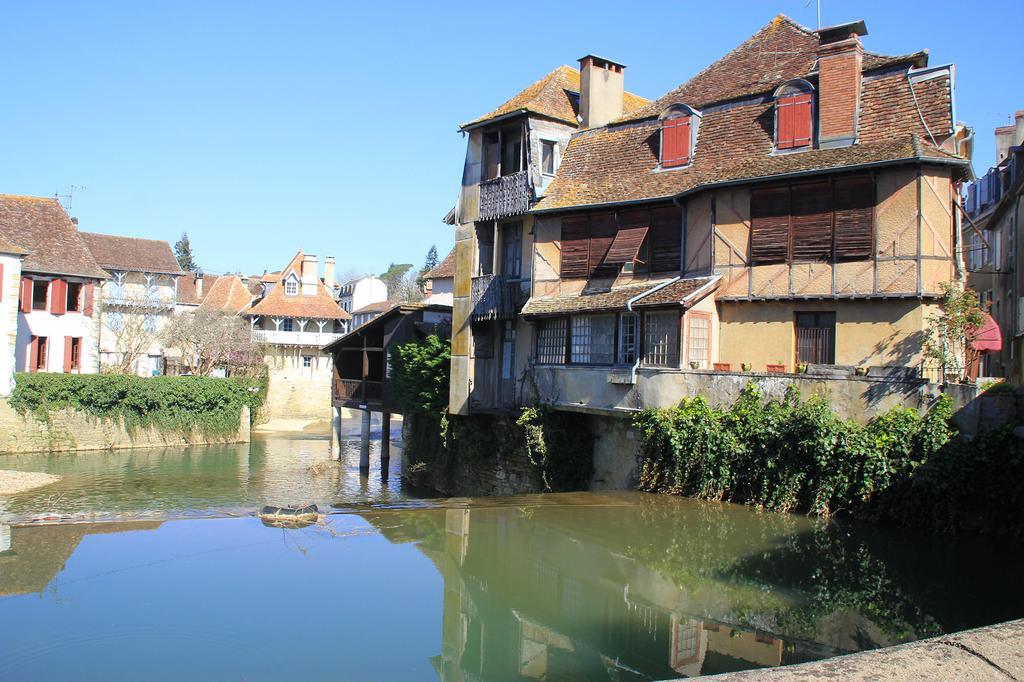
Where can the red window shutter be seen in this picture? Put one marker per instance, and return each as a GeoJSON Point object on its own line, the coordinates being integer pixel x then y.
{"type": "Point", "coordinates": [33, 354]}
{"type": "Point", "coordinates": [575, 246]}
{"type": "Point", "coordinates": [68, 364]}
{"type": "Point", "coordinates": [58, 297]}
{"type": "Point", "coordinates": [793, 121]}
{"type": "Point", "coordinates": [26, 295]}
{"type": "Point", "coordinates": [675, 142]}
{"type": "Point", "coordinates": [87, 306]}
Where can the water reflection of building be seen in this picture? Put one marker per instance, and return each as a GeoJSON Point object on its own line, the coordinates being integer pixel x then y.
{"type": "Point", "coordinates": [550, 600]}
{"type": "Point", "coordinates": [36, 554]}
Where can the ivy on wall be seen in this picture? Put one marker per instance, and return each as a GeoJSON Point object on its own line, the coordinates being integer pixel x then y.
{"type": "Point", "coordinates": [211, 406]}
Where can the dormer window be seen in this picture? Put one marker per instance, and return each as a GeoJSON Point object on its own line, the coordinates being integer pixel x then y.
{"type": "Point", "coordinates": [291, 285]}
{"type": "Point", "coordinates": [678, 135]}
{"type": "Point", "coordinates": [794, 122]}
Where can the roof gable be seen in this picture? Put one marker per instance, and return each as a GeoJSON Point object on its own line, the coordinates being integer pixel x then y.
{"type": "Point", "coordinates": [445, 269]}
{"type": "Point", "coordinates": [228, 294]}
{"type": "Point", "coordinates": [275, 303]}
{"type": "Point", "coordinates": [41, 228]}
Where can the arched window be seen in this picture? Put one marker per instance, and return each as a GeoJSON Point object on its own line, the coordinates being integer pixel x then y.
{"type": "Point", "coordinates": [679, 126]}
{"type": "Point", "coordinates": [794, 120]}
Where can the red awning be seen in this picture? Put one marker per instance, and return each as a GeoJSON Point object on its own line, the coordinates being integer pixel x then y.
{"type": "Point", "coordinates": [988, 336]}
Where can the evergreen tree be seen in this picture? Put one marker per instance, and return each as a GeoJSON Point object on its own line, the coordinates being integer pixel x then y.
{"type": "Point", "coordinates": [429, 264]}
{"type": "Point", "coordinates": [183, 252]}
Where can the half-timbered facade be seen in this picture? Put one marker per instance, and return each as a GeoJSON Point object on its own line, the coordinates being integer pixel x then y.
{"type": "Point", "coordinates": [789, 207]}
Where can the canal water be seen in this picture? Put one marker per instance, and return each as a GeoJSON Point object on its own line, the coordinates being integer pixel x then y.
{"type": "Point", "coordinates": [388, 586]}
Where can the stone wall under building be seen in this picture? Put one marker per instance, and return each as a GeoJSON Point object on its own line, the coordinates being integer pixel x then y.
{"type": "Point", "coordinates": [68, 429]}
{"type": "Point", "coordinates": [295, 391]}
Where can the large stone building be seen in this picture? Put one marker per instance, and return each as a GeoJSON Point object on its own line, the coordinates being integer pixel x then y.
{"type": "Point", "coordinates": [294, 316]}
{"type": "Point", "coordinates": [790, 206]}
{"type": "Point", "coordinates": [139, 298]}
{"type": "Point", "coordinates": [995, 206]}
{"type": "Point", "coordinates": [56, 326]}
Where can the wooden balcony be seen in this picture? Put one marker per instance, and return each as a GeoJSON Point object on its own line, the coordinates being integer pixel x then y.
{"type": "Point", "coordinates": [505, 196]}
{"type": "Point", "coordinates": [356, 391]}
{"type": "Point", "coordinates": [496, 298]}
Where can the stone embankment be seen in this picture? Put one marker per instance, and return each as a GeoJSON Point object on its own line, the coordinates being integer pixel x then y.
{"type": "Point", "coordinates": [69, 429]}
{"type": "Point", "coordinates": [990, 653]}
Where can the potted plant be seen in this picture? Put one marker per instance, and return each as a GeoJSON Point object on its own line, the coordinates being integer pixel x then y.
{"type": "Point", "coordinates": [801, 367]}
{"type": "Point", "coordinates": [861, 371]}
{"type": "Point", "coordinates": [694, 364]}
{"type": "Point", "coordinates": [745, 366]}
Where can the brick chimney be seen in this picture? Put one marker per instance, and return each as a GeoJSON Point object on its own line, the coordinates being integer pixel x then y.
{"type": "Point", "coordinates": [309, 275]}
{"type": "Point", "coordinates": [601, 91]}
{"type": "Point", "coordinates": [840, 54]}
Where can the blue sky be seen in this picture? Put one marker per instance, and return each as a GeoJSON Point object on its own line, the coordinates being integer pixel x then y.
{"type": "Point", "coordinates": [261, 128]}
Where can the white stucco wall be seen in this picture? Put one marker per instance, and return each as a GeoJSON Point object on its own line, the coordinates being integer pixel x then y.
{"type": "Point", "coordinates": [56, 328]}
{"type": "Point", "coordinates": [442, 291]}
{"type": "Point", "coordinates": [8, 320]}
{"type": "Point", "coordinates": [124, 299]}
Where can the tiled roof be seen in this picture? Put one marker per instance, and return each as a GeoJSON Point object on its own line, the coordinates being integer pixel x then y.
{"type": "Point", "coordinates": [445, 269]}
{"type": "Point", "coordinates": [228, 294]}
{"type": "Point", "coordinates": [187, 291]}
{"type": "Point", "coordinates": [132, 253]}
{"type": "Point", "coordinates": [552, 96]}
{"type": "Point", "coordinates": [674, 293]}
{"type": "Point", "coordinates": [378, 307]}
{"type": "Point", "coordinates": [320, 306]}
{"type": "Point", "coordinates": [779, 52]}
{"type": "Point", "coordinates": [734, 143]}
{"type": "Point", "coordinates": [8, 247]}
{"type": "Point", "coordinates": [41, 228]}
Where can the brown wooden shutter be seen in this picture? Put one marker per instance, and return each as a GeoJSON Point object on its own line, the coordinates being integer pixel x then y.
{"type": "Point", "coordinates": [603, 227]}
{"type": "Point", "coordinates": [626, 244]}
{"type": "Point", "coordinates": [33, 354]}
{"type": "Point", "coordinates": [812, 221]}
{"type": "Point", "coordinates": [26, 294]}
{"type": "Point", "coordinates": [68, 364]}
{"type": "Point", "coordinates": [769, 225]}
{"type": "Point", "coordinates": [87, 306]}
{"type": "Point", "coordinates": [575, 246]}
{"type": "Point", "coordinates": [58, 297]}
{"type": "Point", "coordinates": [854, 219]}
{"type": "Point", "coordinates": [666, 237]}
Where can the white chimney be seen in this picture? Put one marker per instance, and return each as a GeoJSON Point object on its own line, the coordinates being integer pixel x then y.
{"type": "Point", "coordinates": [199, 286]}
{"type": "Point", "coordinates": [602, 86]}
{"type": "Point", "coordinates": [309, 275]}
{"type": "Point", "coordinates": [329, 273]}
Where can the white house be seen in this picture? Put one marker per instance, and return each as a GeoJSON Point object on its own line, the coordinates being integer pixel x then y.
{"type": "Point", "coordinates": [138, 299]}
{"type": "Point", "coordinates": [439, 283]}
{"type": "Point", "coordinates": [359, 293]}
{"type": "Point", "coordinates": [58, 320]}
{"type": "Point", "coordinates": [11, 257]}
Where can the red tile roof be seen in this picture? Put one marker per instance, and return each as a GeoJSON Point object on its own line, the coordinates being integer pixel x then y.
{"type": "Point", "coordinates": [554, 96]}
{"type": "Point", "coordinates": [445, 269]}
{"type": "Point", "coordinates": [134, 254]}
{"type": "Point", "coordinates": [320, 306]}
{"type": "Point", "coordinates": [188, 294]}
{"type": "Point", "coordinates": [228, 294]}
{"type": "Point", "coordinates": [619, 163]}
{"type": "Point", "coordinates": [41, 228]}
{"type": "Point", "coordinates": [8, 247]}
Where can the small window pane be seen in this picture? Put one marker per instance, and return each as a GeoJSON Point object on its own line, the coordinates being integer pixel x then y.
{"type": "Point", "coordinates": [699, 339]}
{"type": "Point", "coordinates": [593, 339]}
{"type": "Point", "coordinates": [627, 338]}
{"type": "Point", "coordinates": [547, 157]}
{"type": "Point", "coordinates": [551, 342]}
{"type": "Point", "coordinates": [580, 340]}
{"type": "Point", "coordinates": [661, 339]}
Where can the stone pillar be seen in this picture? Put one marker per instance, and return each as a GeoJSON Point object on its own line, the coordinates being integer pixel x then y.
{"type": "Point", "coordinates": [5, 537]}
{"type": "Point", "coordinates": [364, 443]}
{"type": "Point", "coordinates": [385, 443]}
{"type": "Point", "coordinates": [336, 432]}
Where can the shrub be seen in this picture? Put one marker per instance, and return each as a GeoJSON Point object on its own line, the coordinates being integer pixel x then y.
{"type": "Point", "coordinates": [209, 405]}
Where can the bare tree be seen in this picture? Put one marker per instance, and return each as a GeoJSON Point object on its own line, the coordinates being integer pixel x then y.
{"type": "Point", "coordinates": [212, 340]}
{"type": "Point", "coordinates": [135, 327]}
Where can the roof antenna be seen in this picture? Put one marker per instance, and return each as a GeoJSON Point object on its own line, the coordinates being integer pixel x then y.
{"type": "Point", "coordinates": [818, 2]}
{"type": "Point", "coordinates": [69, 196]}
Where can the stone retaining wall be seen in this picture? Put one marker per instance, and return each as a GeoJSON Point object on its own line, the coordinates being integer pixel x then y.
{"type": "Point", "coordinates": [73, 430]}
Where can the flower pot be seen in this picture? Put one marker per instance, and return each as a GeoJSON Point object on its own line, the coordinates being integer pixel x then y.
{"type": "Point", "coordinates": [745, 366]}
{"type": "Point", "coordinates": [802, 368]}
{"type": "Point", "coordinates": [776, 369]}
{"type": "Point", "coordinates": [861, 371]}
{"type": "Point", "coordinates": [694, 364]}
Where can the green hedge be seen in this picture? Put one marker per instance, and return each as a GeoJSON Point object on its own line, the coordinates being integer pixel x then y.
{"type": "Point", "coordinates": [183, 404]}
{"type": "Point", "coordinates": [791, 455]}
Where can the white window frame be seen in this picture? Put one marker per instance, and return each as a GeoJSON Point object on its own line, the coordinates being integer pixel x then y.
{"type": "Point", "coordinates": [289, 283]}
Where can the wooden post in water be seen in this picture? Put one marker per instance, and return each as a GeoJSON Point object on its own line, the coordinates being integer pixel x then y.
{"type": "Point", "coordinates": [364, 443]}
{"type": "Point", "coordinates": [385, 443]}
{"type": "Point", "coordinates": [336, 432]}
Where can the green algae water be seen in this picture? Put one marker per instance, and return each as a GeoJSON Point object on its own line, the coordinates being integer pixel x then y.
{"type": "Point", "coordinates": [580, 586]}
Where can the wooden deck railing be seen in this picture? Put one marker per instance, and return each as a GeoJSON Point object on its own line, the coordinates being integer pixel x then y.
{"type": "Point", "coordinates": [505, 196]}
{"type": "Point", "coordinates": [355, 389]}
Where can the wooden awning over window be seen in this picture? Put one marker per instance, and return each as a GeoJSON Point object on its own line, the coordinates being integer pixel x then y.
{"type": "Point", "coordinates": [626, 245]}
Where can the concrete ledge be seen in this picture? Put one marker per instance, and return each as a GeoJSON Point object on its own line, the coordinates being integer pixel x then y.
{"type": "Point", "coordinates": [995, 652]}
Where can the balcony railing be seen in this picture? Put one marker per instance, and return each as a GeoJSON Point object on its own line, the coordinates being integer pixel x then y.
{"type": "Point", "coordinates": [505, 196]}
{"type": "Point", "coordinates": [121, 301]}
{"type": "Point", "coordinates": [496, 298]}
{"type": "Point", "coordinates": [293, 338]}
{"type": "Point", "coordinates": [357, 390]}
